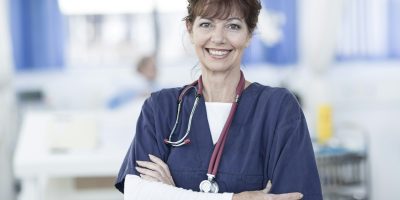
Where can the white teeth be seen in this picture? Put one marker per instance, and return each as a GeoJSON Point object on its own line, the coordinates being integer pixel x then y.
{"type": "Point", "coordinates": [218, 52]}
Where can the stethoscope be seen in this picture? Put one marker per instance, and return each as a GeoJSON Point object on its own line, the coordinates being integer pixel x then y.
{"type": "Point", "coordinates": [209, 185]}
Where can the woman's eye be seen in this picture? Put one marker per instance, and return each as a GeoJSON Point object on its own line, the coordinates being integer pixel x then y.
{"type": "Point", "coordinates": [233, 26]}
{"type": "Point", "coordinates": [205, 25]}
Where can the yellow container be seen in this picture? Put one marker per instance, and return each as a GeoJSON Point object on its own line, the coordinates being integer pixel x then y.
{"type": "Point", "coordinates": [324, 123]}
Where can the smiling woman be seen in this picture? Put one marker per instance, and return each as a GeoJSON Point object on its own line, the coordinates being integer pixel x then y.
{"type": "Point", "coordinates": [219, 44]}
{"type": "Point", "coordinates": [225, 134]}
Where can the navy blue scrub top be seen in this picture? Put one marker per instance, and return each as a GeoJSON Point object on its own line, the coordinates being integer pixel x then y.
{"type": "Point", "coordinates": [268, 140]}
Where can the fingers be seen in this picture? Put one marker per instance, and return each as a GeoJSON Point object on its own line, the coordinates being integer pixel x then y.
{"type": "Point", "coordinates": [156, 170]}
{"type": "Point", "coordinates": [152, 166]}
{"type": "Point", "coordinates": [160, 163]}
{"type": "Point", "coordinates": [287, 196]}
{"type": "Point", "coordinates": [149, 178]}
{"type": "Point", "coordinates": [149, 172]}
{"type": "Point", "coordinates": [153, 175]}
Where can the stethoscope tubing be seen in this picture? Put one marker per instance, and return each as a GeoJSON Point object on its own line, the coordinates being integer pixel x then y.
{"type": "Point", "coordinates": [183, 140]}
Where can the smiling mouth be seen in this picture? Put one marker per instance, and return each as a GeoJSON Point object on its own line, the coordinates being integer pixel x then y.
{"type": "Point", "coordinates": [218, 53]}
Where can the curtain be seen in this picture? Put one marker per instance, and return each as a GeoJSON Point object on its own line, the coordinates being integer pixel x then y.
{"type": "Point", "coordinates": [37, 34]}
{"type": "Point", "coordinates": [369, 30]}
{"type": "Point", "coordinates": [282, 15]}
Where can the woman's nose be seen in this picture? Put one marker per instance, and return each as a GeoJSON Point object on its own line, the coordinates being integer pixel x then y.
{"type": "Point", "coordinates": [218, 37]}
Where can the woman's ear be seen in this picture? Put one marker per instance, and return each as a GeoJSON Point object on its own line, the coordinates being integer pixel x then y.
{"type": "Point", "coordinates": [189, 26]}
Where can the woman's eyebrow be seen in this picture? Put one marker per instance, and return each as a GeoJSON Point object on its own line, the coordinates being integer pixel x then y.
{"type": "Point", "coordinates": [229, 19]}
{"type": "Point", "coordinates": [206, 18]}
{"type": "Point", "coordinates": [234, 18]}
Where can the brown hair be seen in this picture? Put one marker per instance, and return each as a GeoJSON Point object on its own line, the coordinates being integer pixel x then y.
{"type": "Point", "coordinates": [221, 9]}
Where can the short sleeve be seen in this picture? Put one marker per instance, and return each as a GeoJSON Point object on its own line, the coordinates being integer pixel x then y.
{"type": "Point", "coordinates": [144, 143]}
{"type": "Point", "coordinates": [294, 168]}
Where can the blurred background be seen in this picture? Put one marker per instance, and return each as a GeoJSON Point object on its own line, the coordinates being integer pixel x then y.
{"type": "Point", "coordinates": [74, 74]}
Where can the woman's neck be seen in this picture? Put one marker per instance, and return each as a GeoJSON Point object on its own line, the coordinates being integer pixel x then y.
{"type": "Point", "coordinates": [220, 86]}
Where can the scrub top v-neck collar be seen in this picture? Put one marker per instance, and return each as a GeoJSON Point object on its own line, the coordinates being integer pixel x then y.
{"type": "Point", "coordinates": [204, 143]}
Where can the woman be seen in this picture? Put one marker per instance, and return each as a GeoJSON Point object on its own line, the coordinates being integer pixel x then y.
{"type": "Point", "coordinates": [229, 135]}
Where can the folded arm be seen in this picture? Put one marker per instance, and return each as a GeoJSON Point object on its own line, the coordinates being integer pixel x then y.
{"type": "Point", "coordinates": [156, 170]}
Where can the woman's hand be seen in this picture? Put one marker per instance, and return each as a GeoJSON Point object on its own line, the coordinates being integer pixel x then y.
{"type": "Point", "coordinates": [156, 170]}
{"type": "Point", "coordinates": [264, 195]}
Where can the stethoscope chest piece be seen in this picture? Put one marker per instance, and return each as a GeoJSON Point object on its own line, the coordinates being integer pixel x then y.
{"type": "Point", "coordinates": [209, 185]}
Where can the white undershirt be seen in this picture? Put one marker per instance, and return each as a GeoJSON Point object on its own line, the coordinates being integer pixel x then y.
{"type": "Point", "coordinates": [217, 114]}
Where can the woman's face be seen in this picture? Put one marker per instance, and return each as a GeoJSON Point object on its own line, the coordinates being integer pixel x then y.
{"type": "Point", "coordinates": [219, 43]}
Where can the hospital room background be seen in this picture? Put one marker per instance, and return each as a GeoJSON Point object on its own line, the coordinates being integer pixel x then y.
{"type": "Point", "coordinates": [74, 74]}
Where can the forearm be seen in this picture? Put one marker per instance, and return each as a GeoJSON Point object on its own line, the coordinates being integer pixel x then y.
{"type": "Point", "coordinates": [138, 189]}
